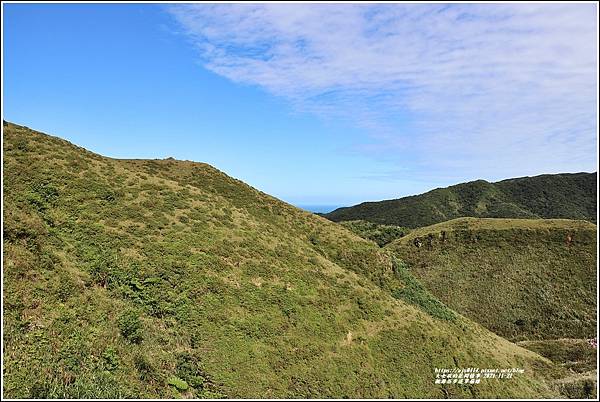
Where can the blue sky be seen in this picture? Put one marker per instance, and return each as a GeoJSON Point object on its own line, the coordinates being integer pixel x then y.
{"type": "Point", "coordinates": [315, 104]}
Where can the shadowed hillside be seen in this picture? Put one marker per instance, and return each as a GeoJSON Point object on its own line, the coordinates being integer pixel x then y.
{"type": "Point", "coordinates": [165, 278]}
{"type": "Point", "coordinates": [521, 278]}
{"type": "Point", "coordinates": [380, 234]}
{"type": "Point", "coordinates": [571, 196]}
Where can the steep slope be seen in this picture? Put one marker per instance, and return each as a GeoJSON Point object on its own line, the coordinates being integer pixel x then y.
{"type": "Point", "coordinates": [521, 278]}
{"type": "Point", "coordinates": [571, 196]}
{"type": "Point", "coordinates": [164, 278]}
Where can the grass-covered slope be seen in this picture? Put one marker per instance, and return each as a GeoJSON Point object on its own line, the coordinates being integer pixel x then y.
{"type": "Point", "coordinates": [521, 278]}
{"type": "Point", "coordinates": [164, 278]}
{"type": "Point", "coordinates": [571, 196]}
{"type": "Point", "coordinates": [579, 357]}
{"type": "Point", "coordinates": [380, 234]}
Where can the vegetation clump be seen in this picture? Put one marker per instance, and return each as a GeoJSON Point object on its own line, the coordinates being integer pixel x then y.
{"type": "Point", "coordinates": [131, 326]}
{"type": "Point", "coordinates": [414, 293]}
{"type": "Point", "coordinates": [380, 234]}
{"type": "Point", "coordinates": [178, 383]}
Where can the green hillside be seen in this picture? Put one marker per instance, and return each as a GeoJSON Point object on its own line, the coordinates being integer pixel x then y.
{"type": "Point", "coordinates": [380, 234]}
{"type": "Point", "coordinates": [580, 360]}
{"type": "Point", "coordinates": [521, 278]}
{"type": "Point", "coordinates": [165, 278]}
{"type": "Point", "coordinates": [575, 354]}
{"type": "Point", "coordinates": [570, 196]}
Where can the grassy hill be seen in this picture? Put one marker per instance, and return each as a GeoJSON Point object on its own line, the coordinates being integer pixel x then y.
{"type": "Point", "coordinates": [571, 196]}
{"type": "Point", "coordinates": [521, 278]}
{"type": "Point", "coordinates": [165, 278]}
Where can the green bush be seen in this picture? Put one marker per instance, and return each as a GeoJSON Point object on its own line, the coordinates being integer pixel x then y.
{"type": "Point", "coordinates": [188, 368]}
{"type": "Point", "coordinates": [146, 370]}
{"type": "Point", "coordinates": [22, 145]}
{"type": "Point", "coordinates": [104, 270]}
{"type": "Point", "coordinates": [110, 360]}
{"type": "Point", "coordinates": [42, 195]}
{"type": "Point", "coordinates": [178, 383]}
{"type": "Point", "coordinates": [131, 326]}
{"type": "Point", "coordinates": [66, 287]}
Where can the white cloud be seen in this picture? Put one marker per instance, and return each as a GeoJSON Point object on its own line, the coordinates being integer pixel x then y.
{"type": "Point", "coordinates": [486, 90]}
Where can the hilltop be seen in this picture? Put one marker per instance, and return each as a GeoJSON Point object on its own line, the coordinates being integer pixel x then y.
{"type": "Point", "coordinates": [521, 278]}
{"type": "Point", "coordinates": [568, 195]}
{"type": "Point", "coordinates": [166, 278]}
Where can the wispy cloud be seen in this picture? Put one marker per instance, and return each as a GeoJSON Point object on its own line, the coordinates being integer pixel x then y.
{"type": "Point", "coordinates": [486, 90]}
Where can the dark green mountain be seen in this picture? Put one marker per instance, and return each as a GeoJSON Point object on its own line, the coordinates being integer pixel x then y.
{"type": "Point", "coordinates": [567, 195]}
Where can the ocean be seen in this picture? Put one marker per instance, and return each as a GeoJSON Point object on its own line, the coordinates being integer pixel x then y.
{"type": "Point", "coordinates": [318, 208]}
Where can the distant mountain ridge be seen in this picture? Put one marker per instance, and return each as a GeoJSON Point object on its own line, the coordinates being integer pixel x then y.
{"type": "Point", "coordinates": [565, 195]}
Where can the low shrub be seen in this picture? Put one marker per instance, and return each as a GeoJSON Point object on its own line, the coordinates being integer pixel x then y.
{"type": "Point", "coordinates": [131, 327]}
